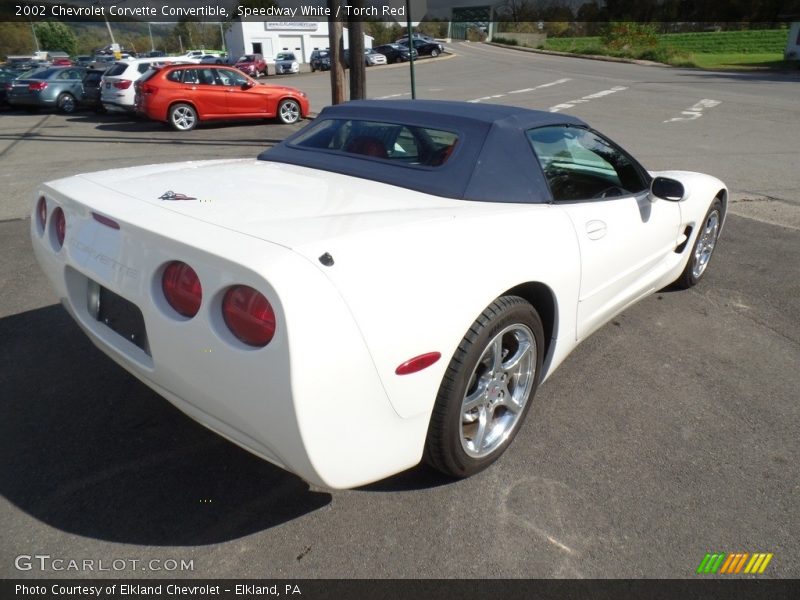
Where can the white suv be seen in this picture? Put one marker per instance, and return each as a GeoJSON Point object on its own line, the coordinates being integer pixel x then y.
{"type": "Point", "coordinates": [117, 89]}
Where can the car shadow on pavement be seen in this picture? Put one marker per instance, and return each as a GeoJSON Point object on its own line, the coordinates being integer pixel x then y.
{"type": "Point", "coordinates": [421, 477]}
{"type": "Point", "coordinates": [90, 450]}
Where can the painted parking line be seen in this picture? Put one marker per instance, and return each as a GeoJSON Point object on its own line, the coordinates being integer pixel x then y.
{"type": "Point", "coordinates": [696, 111]}
{"type": "Point", "coordinates": [522, 91]}
{"type": "Point", "coordinates": [588, 98]}
{"type": "Point", "coordinates": [538, 87]}
{"type": "Point", "coordinates": [392, 96]}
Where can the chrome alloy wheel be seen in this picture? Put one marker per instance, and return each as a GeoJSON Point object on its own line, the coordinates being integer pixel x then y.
{"type": "Point", "coordinates": [706, 241]}
{"type": "Point", "coordinates": [183, 117]}
{"type": "Point", "coordinates": [289, 112]}
{"type": "Point", "coordinates": [498, 390]}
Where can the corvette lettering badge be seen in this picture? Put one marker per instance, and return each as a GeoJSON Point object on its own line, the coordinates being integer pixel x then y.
{"type": "Point", "coordinates": [170, 195]}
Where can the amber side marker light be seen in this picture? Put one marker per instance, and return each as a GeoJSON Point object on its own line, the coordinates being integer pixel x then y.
{"type": "Point", "coordinates": [413, 365]}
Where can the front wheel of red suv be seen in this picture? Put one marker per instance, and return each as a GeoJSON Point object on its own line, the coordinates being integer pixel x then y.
{"type": "Point", "coordinates": [288, 111]}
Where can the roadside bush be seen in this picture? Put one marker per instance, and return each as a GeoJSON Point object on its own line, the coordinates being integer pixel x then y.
{"type": "Point", "coordinates": [630, 36]}
{"type": "Point", "coordinates": [506, 41]}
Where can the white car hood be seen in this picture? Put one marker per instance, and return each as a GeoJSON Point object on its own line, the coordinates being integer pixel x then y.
{"type": "Point", "coordinates": [283, 204]}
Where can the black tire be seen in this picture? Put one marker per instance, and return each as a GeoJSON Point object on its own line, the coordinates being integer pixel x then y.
{"type": "Point", "coordinates": [289, 111]}
{"type": "Point", "coordinates": [515, 323]}
{"type": "Point", "coordinates": [434, 53]}
{"type": "Point", "coordinates": [66, 103]}
{"type": "Point", "coordinates": [703, 248]}
{"type": "Point", "coordinates": [182, 117]}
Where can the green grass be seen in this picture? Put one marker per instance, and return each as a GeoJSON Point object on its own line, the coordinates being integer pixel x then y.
{"type": "Point", "coordinates": [734, 60]}
{"type": "Point", "coordinates": [706, 50]}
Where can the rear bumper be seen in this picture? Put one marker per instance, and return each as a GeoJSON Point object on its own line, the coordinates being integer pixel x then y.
{"type": "Point", "coordinates": [311, 401]}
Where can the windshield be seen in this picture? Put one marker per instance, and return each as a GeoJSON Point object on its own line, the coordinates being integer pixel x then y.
{"type": "Point", "coordinates": [247, 58]}
{"type": "Point", "coordinates": [285, 56]}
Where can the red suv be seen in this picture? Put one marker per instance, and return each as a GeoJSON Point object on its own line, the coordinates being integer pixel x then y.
{"type": "Point", "coordinates": [184, 95]}
{"type": "Point", "coordinates": [252, 64]}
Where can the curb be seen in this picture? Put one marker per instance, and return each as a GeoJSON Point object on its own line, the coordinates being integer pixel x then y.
{"type": "Point", "coordinates": [617, 59]}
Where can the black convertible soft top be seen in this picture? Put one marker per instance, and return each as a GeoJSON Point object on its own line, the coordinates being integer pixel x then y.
{"type": "Point", "coordinates": [491, 162]}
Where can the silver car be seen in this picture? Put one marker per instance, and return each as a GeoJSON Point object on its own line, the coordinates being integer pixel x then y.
{"type": "Point", "coordinates": [52, 87]}
{"type": "Point", "coordinates": [286, 62]}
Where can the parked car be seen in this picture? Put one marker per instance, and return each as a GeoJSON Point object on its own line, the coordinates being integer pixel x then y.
{"type": "Point", "coordinates": [425, 48]}
{"type": "Point", "coordinates": [389, 284]}
{"type": "Point", "coordinates": [372, 58]}
{"type": "Point", "coordinates": [21, 64]}
{"type": "Point", "coordinates": [252, 64]}
{"type": "Point", "coordinates": [84, 61]}
{"type": "Point", "coordinates": [92, 82]}
{"type": "Point", "coordinates": [53, 87]}
{"type": "Point", "coordinates": [212, 59]}
{"type": "Point", "coordinates": [102, 61]}
{"type": "Point", "coordinates": [320, 60]}
{"type": "Point", "coordinates": [59, 59]}
{"type": "Point", "coordinates": [185, 95]}
{"type": "Point", "coordinates": [117, 93]}
{"type": "Point", "coordinates": [416, 36]}
{"type": "Point", "coordinates": [286, 62]}
{"type": "Point", "coordinates": [396, 52]}
{"type": "Point", "coordinates": [6, 77]}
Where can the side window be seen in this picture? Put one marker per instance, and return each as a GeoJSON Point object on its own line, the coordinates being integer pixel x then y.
{"type": "Point", "coordinates": [231, 77]}
{"type": "Point", "coordinates": [191, 76]}
{"type": "Point", "coordinates": [579, 164]}
{"type": "Point", "coordinates": [175, 75]}
{"type": "Point", "coordinates": [142, 67]}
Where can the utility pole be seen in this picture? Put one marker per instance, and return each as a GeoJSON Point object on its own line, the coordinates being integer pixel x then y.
{"type": "Point", "coordinates": [337, 54]}
{"type": "Point", "coordinates": [358, 71]}
{"type": "Point", "coordinates": [33, 31]}
{"type": "Point", "coordinates": [150, 31]}
{"type": "Point", "coordinates": [410, 33]}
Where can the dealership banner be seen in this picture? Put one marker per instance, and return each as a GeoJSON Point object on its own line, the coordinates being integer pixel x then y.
{"type": "Point", "coordinates": [405, 589]}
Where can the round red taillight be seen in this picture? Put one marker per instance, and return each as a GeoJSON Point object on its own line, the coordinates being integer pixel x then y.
{"type": "Point", "coordinates": [249, 315]}
{"type": "Point", "coordinates": [182, 289]}
{"type": "Point", "coordinates": [60, 225]}
{"type": "Point", "coordinates": [41, 212]}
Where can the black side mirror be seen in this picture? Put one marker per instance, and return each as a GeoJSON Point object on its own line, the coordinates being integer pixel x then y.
{"type": "Point", "coordinates": [247, 85]}
{"type": "Point", "coordinates": [667, 189]}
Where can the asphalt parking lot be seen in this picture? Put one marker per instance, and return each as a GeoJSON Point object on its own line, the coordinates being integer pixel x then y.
{"type": "Point", "coordinates": [670, 433]}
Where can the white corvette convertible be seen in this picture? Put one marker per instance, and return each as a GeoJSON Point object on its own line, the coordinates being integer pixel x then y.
{"type": "Point", "coordinates": [391, 283]}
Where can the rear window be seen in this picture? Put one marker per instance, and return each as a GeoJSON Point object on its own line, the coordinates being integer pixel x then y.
{"type": "Point", "coordinates": [117, 69]}
{"type": "Point", "coordinates": [402, 144]}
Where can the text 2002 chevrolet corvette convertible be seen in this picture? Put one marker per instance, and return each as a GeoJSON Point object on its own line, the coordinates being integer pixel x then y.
{"type": "Point", "coordinates": [390, 283]}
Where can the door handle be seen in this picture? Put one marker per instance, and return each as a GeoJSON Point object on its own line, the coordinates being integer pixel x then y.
{"type": "Point", "coordinates": [596, 229]}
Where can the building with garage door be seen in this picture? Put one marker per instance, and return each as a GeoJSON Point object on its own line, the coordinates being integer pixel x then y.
{"type": "Point", "coordinates": [270, 37]}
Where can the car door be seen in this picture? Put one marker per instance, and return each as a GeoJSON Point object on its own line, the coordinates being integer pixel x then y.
{"type": "Point", "coordinates": [626, 237]}
{"type": "Point", "coordinates": [243, 95]}
{"type": "Point", "coordinates": [71, 81]}
{"type": "Point", "coordinates": [204, 90]}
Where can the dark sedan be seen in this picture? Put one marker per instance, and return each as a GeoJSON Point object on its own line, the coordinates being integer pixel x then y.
{"type": "Point", "coordinates": [55, 87]}
{"type": "Point", "coordinates": [425, 48]}
{"type": "Point", "coordinates": [395, 52]}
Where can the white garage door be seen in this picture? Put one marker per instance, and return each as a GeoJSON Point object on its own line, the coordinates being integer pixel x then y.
{"type": "Point", "coordinates": [291, 43]}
